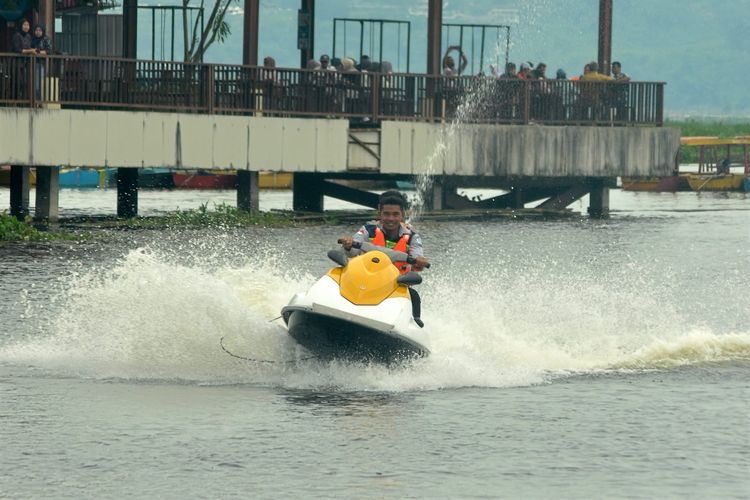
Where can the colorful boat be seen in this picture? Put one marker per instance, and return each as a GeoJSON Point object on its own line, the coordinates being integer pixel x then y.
{"type": "Point", "coordinates": [83, 178]}
{"type": "Point", "coordinates": [155, 178]}
{"type": "Point", "coordinates": [275, 180]}
{"type": "Point", "coordinates": [204, 180]}
{"type": "Point", "coordinates": [228, 180]}
{"type": "Point", "coordinates": [716, 182]}
{"type": "Point", "coordinates": [669, 184]}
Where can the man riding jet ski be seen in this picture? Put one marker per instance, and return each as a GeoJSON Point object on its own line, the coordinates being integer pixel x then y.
{"type": "Point", "coordinates": [364, 310]}
{"type": "Point", "coordinates": [392, 232]}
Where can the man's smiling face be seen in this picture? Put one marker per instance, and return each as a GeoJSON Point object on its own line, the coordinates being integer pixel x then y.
{"type": "Point", "coordinates": [391, 217]}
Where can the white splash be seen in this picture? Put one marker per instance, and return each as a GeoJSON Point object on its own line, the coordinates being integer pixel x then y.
{"type": "Point", "coordinates": [149, 318]}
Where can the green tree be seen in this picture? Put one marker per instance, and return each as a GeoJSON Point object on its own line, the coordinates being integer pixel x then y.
{"type": "Point", "coordinates": [215, 29]}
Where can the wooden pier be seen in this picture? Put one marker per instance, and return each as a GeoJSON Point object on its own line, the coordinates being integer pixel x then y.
{"type": "Point", "coordinates": [546, 142]}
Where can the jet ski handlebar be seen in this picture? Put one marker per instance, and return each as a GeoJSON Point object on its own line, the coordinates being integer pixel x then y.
{"type": "Point", "coordinates": [394, 255]}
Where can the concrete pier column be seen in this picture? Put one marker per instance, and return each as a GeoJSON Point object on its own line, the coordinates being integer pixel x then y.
{"type": "Point", "coordinates": [47, 194]}
{"type": "Point", "coordinates": [599, 199]}
{"type": "Point", "coordinates": [248, 197]}
{"type": "Point", "coordinates": [307, 195]}
{"type": "Point", "coordinates": [436, 195]}
{"type": "Point", "coordinates": [517, 200]}
{"type": "Point", "coordinates": [19, 191]}
{"type": "Point", "coordinates": [127, 192]}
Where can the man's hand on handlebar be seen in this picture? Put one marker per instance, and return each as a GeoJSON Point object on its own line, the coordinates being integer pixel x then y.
{"type": "Point", "coordinates": [346, 242]}
{"type": "Point", "coordinates": [420, 263]}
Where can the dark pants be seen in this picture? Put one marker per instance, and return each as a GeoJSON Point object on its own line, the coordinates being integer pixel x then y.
{"type": "Point", "coordinates": [416, 303]}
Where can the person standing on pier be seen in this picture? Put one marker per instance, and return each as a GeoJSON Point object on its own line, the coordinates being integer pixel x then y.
{"type": "Point", "coordinates": [449, 64]}
{"type": "Point", "coordinates": [617, 73]}
{"type": "Point", "coordinates": [21, 42]}
{"type": "Point", "coordinates": [42, 47]}
{"type": "Point", "coordinates": [391, 231]}
{"type": "Point", "coordinates": [620, 93]}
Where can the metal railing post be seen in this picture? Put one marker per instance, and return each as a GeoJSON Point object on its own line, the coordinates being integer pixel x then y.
{"type": "Point", "coordinates": [375, 96]}
{"type": "Point", "coordinates": [32, 81]}
{"type": "Point", "coordinates": [526, 102]}
{"type": "Point", "coordinates": [660, 104]}
{"type": "Point", "coordinates": [210, 89]}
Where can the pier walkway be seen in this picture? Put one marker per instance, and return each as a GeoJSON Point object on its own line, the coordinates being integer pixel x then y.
{"type": "Point", "coordinates": [547, 142]}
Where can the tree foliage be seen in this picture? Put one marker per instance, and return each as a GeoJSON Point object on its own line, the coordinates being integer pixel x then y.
{"type": "Point", "coordinates": [197, 40]}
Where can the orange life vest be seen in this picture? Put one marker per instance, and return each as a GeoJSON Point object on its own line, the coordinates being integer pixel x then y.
{"type": "Point", "coordinates": [402, 245]}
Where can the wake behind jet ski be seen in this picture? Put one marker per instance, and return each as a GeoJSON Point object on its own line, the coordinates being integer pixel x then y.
{"type": "Point", "coordinates": [360, 310]}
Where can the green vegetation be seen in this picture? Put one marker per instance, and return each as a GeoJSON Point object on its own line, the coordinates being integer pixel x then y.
{"type": "Point", "coordinates": [223, 216]}
{"type": "Point", "coordinates": [710, 128]}
{"type": "Point", "coordinates": [12, 229]}
{"type": "Point", "coordinates": [692, 128]}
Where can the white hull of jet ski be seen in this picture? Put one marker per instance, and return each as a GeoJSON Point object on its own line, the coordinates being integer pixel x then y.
{"type": "Point", "coordinates": [330, 326]}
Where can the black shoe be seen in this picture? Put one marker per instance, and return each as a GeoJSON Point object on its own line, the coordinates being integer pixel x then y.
{"type": "Point", "coordinates": [419, 322]}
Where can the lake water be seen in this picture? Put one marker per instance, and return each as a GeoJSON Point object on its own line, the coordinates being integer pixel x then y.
{"type": "Point", "coordinates": [570, 359]}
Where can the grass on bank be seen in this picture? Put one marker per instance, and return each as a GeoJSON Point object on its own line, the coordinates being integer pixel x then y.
{"type": "Point", "coordinates": [222, 215]}
{"type": "Point", "coordinates": [12, 229]}
{"type": "Point", "coordinates": [692, 128]}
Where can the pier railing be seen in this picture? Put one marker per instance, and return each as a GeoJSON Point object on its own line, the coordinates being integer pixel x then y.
{"type": "Point", "coordinates": [114, 83]}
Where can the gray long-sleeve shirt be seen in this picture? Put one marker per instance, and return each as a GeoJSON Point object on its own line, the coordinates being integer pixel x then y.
{"type": "Point", "coordinates": [368, 231]}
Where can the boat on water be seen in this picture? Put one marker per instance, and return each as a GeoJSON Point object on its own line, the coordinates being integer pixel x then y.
{"type": "Point", "coordinates": [275, 180]}
{"type": "Point", "coordinates": [719, 163]}
{"type": "Point", "coordinates": [228, 180]}
{"type": "Point", "coordinates": [156, 178]}
{"type": "Point", "coordinates": [360, 310]}
{"type": "Point", "coordinates": [83, 178]}
{"type": "Point", "coordinates": [716, 182]}
{"type": "Point", "coordinates": [669, 184]}
{"type": "Point", "coordinates": [717, 158]}
{"type": "Point", "coordinates": [204, 180]}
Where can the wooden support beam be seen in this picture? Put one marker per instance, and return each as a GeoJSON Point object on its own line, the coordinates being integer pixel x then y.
{"type": "Point", "coordinates": [47, 18]}
{"type": "Point", "coordinates": [605, 36]}
{"type": "Point", "coordinates": [306, 32]}
{"type": "Point", "coordinates": [434, 38]}
{"type": "Point", "coordinates": [250, 33]}
{"type": "Point", "coordinates": [129, 29]}
{"type": "Point", "coordinates": [565, 197]}
{"type": "Point", "coordinates": [350, 194]}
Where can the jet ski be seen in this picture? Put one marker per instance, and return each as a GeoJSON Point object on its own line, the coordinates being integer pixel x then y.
{"type": "Point", "coordinates": [360, 310]}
